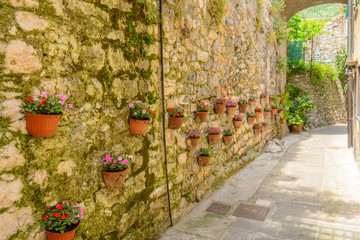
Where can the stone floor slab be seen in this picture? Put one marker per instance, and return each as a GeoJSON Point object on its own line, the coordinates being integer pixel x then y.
{"type": "Point", "coordinates": [218, 208]}
{"type": "Point", "coordinates": [251, 211]}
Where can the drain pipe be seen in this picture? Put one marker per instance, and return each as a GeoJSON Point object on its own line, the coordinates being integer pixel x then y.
{"type": "Point", "coordinates": [349, 74]}
{"type": "Point", "coordinates": [161, 31]}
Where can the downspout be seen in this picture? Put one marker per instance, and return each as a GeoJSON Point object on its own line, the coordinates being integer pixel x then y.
{"type": "Point", "coordinates": [163, 114]}
{"type": "Point", "coordinates": [349, 74]}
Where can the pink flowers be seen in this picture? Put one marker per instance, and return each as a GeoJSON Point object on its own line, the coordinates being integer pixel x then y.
{"type": "Point", "coordinates": [70, 105]}
{"type": "Point", "coordinates": [61, 96]}
{"type": "Point", "coordinates": [144, 111]}
{"type": "Point", "coordinates": [117, 162]}
{"type": "Point", "coordinates": [193, 133]}
{"type": "Point", "coordinates": [61, 102]}
{"type": "Point", "coordinates": [131, 105]}
{"type": "Point", "coordinates": [107, 159]}
{"type": "Point", "coordinates": [43, 95]}
{"type": "Point", "coordinates": [214, 130]}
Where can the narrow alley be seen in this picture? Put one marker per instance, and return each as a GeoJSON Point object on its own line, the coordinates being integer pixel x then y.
{"type": "Point", "coordinates": [308, 190]}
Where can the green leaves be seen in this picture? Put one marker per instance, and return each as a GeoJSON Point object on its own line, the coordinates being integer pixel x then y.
{"type": "Point", "coordinates": [304, 30]}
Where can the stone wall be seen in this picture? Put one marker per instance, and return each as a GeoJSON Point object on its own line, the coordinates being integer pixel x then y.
{"type": "Point", "coordinates": [328, 98]}
{"type": "Point", "coordinates": [326, 46]}
{"type": "Point", "coordinates": [84, 50]}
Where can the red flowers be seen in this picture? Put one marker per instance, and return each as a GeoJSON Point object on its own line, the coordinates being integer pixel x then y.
{"type": "Point", "coordinates": [176, 113]}
{"type": "Point", "coordinates": [63, 216]}
{"type": "Point", "coordinates": [68, 215]}
{"type": "Point", "coordinates": [45, 217]}
{"type": "Point", "coordinates": [43, 101]}
{"type": "Point", "coordinates": [57, 215]}
{"type": "Point", "coordinates": [29, 99]}
{"type": "Point", "coordinates": [59, 206]}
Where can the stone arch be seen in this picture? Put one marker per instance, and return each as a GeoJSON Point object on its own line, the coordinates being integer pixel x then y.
{"type": "Point", "coordinates": [294, 6]}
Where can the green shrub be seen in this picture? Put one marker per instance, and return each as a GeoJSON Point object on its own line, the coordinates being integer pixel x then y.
{"type": "Point", "coordinates": [296, 67]}
{"type": "Point", "coordinates": [294, 91]}
{"type": "Point", "coordinates": [321, 72]}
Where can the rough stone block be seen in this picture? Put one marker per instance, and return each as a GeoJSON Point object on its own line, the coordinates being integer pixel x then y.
{"type": "Point", "coordinates": [29, 21]}
{"type": "Point", "coordinates": [14, 220]}
{"type": "Point", "coordinates": [10, 192]}
{"type": "Point", "coordinates": [10, 157]}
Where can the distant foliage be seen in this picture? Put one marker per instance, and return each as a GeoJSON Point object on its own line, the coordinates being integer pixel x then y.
{"type": "Point", "coordinates": [323, 11]}
{"type": "Point", "coordinates": [304, 30]}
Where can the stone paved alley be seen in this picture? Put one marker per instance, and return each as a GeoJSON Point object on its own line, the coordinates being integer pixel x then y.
{"type": "Point", "coordinates": [311, 188]}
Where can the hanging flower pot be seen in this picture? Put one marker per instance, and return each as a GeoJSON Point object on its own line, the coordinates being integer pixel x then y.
{"type": "Point", "coordinates": [139, 117]}
{"type": "Point", "coordinates": [204, 157]}
{"type": "Point", "coordinates": [194, 136]}
{"type": "Point", "coordinates": [280, 111]}
{"type": "Point", "coordinates": [228, 136]}
{"type": "Point", "coordinates": [61, 236]}
{"type": "Point", "coordinates": [138, 126]}
{"type": "Point", "coordinates": [231, 107]}
{"type": "Point", "coordinates": [252, 104]}
{"type": "Point", "coordinates": [251, 120]}
{"type": "Point", "coordinates": [115, 170]}
{"type": "Point", "coordinates": [41, 125]}
{"type": "Point", "coordinates": [283, 120]}
{"type": "Point", "coordinates": [251, 117]}
{"type": "Point", "coordinates": [43, 115]}
{"type": "Point", "coordinates": [296, 129]}
{"type": "Point", "coordinates": [220, 108]}
{"type": "Point", "coordinates": [202, 111]}
{"type": "Point", "coordinates": [257, 129]}
{"type": "Point", "coordinates": [202, 116]}
{"type": "Point", "coordinates": [61, 222]}
{"type": "Point", "coordinates": [263, 98]}
{"type": "Point", "coordinates": [214, 139]}
{"type": "Point", "coordinates": [273, 110]}
{"type": "Point", "coordinates": [243, 107]}
{"type": "Point", "coordinates": [238, 120]}
{"type": "Point", "coordinates": [176, 117]}
{"type": "Point", "coordinates": [203, 160]}
{"type": "Point", "coordinates": [264, 126]}
{"type": "Point", "coordinates": [175, 122]}
{"type": "Point", "coordinates": [258, 112]}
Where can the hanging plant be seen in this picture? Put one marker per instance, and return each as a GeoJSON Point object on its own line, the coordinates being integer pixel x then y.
{"type": "Point", "coordinates": [194, 136]}
{"type": "Point", "coordinates": [43, 115]}
{"type": "Point", "coordinates": [231, 107]}
{"type": "Point", "coordinates": [252, 101]}
{"type": "Point", "coordinates": [202, 111]}
{"type": "Point", "coordinates": [219, 105]}
{"type": "Point", "coordinates": [238, 120]}
{"type": "Point", "coordinates": [263, 98]}
{"type": "Point", "coordinates": [214, 135]}
{"type": "Point", "coordinates": [251, 116]}
{"type": "Point", "coordinates": [139, 117]}
{"type": "Point", "coordinates": [257, 128]}
{"type": "Point", "coordinates": [115, 169]}
{"type": "Point", "coordinates": [228, 136]}
{"type": "Point", "coordinates": [243, 104]}
{"type": "Point", "coordinates": [177, 116]}
{"type": "Point", "coordinates": [258, 112]}
{"type": "Point", "coordinates": [205, 155]}
{"type": "Point", "coordinates": [62, 221]}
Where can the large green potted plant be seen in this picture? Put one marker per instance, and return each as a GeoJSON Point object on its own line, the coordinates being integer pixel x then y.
{"type": "Point", "coordinates": [43, 114]}
{"type": "Point", "coordinates": [296, 122]}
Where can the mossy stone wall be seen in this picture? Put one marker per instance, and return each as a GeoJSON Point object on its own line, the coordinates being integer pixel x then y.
{"type": "Point", "coordinates": [103, 54]}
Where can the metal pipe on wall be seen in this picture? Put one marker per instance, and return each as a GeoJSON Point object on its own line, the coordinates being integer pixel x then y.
{"type": "Point", "coordinates": [349, 74]}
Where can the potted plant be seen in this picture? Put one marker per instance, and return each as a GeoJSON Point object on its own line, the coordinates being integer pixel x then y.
{"type": "Point", "coordinates": [202, 111]}
{"type": "Point", "coordinates": [252, 101]}
{"type": "Point", "coordinates": [115, 169]}
{"type": "Point", "coordinates": [176, 117]}
{"type": "Point", "coordinates": [238, 120]}
{"type": "Point", "coordinates": [214, 135]}
{"type": "Point", "coordinates": [258, 112]}
{"type": "Point", "coordinates": [231, 107]}
{"type": "Point", "coordinates": [243, 104]}
{"type": "Point", "coordinates": [43, 115]}
{"type": "Point", "coordinates": [267, 111]}
{"type": "Point", "coordinates": [274, 98]}
{"type": "Point", "coordinates": [277, 117]}
{"type": "Point", "coordinates": [295, 122]}
{"type": "Point", "coordinates": [263, 98]}
{"type": "Point", "coordinates": [228, 136]}
{"type": "Point", "coordinates": [283, 120]}
{"type": "Point", "coordinates": [281, 109]}
{"type": "Point", "coordinates": [220, 105]}
{"type": "Point", "coordinates": [274, 109]}
{"type": "Point", "coordinates": [264, 126]}
{"type": "Point", "coordinates": [205, 155]}
{"type": "Point", "coordinates": [257, 128]}
{"type": "Point", "coordinates": [251, 116]}
{"type": "Point", "coordinates": [194, 136]}
{"type": "Point", "coordinates": [139, 117]}
{"type": "Point", "coordinates": [61, 222]}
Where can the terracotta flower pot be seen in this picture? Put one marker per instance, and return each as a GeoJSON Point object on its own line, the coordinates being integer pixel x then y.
{"type": "Point", "coordinates": [243, 107]}
{"type": "Point", "coordinates": [175, 122]}
{"type": "Point", "coordinates": [271, 99]}
{"type": "Point", "coordinates": [267, 114]}
{"type": "Point", "coordinates": [41, 125]}
{"type": "Point", "coordinates": [277, 118]}
{"type": "Point", "coordinates": [273, 110]}
{"type": "Point", "coordinates": [202, 116]}
{"type": "Point", "coordinates": [263, 101]}
{"type": "Point", "coordinates": [220, 108]}
{"type": "Point", "coordinates": [138, 126]}
{"type": "Point", "coordinates": [194, 142]}
{"type": "Point", "coordinates": [61, 236]}
{"type": "Point", "coordinates": [203, 160]}
{"type": "Point", "coordinates": [114, 180]}
{"type": "Point", "coordinates": [252, 104]}
{"type": "Point", "coordinates": [258, 114]}
{"type": "Point", "coordinates": [280, 111]}
{"type": "Point", "coordinates": [257, 131]}
{"type": "Point", "coordinates": [296, 129]}
{"type": "Point", "coordinates": [231, 111]}
{"type": "Point", "coordinates": [251, 120]}
{"type": "Point", "coordinates": [237, 124]}
{"type": "Point", "coordinates": [283, 121]}
{"type": "Point", "coordinates": [228, 140]}
{"type": "Point", "coordinates": [214, 139]}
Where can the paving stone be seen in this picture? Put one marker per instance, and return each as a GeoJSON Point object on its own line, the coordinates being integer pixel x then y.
{"type": "Point", "coordinates": [251, 211]}
{"type": "Point", "coordinates": [252, 226]}
{"type": "Point", "coordinates": [218, 208]}
{"type": "Point", "coordinates": [232, 234]}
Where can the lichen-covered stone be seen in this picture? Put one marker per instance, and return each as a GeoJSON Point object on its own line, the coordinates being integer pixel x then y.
{"type": "Point", "coordinates": [10, 157]}
{"type": "Point", "coordinates": [10, 192]}
{"type": "Point", "coordinates": [14, 220]}
{"type": "Point", "coordinates": [29, 21]}
{"type": "Point", "coordinates": [21, 58]}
